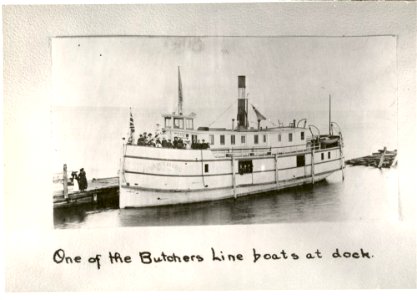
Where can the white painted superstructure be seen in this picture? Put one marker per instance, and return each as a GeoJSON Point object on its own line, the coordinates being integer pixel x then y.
{"type": "Point", "coordinates": [239, 161]}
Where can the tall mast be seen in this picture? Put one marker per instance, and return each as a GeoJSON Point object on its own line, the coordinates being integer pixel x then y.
{"type": "Point", "coordinates": [179, 92]}
{"type": "Point", "coordinates": [330, 114]}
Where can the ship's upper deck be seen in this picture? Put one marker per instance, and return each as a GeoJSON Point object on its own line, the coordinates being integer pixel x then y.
{"type": "Point", "coordinates": [252, 141]}
{"type": "Point", "coordinates": [286, 138]}
{"type": "Point", "coordinates": [179, 129]}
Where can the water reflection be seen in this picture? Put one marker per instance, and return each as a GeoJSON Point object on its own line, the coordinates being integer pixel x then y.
{"type": "Point", "coordinates": [75, 216]}
{"type": "Point", "coordinates": [366, 194]}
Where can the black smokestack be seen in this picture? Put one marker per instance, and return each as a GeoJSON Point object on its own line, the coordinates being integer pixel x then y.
{"type": "Point", "coordinates": [241, 82]}
{"type": "Point", "coordinates": [242, 103]}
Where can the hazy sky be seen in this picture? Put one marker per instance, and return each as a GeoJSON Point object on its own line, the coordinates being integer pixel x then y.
{"type": "Point", "coordinates": [96, 80]}
{"type": "Point", "coordinates": [283, 74]}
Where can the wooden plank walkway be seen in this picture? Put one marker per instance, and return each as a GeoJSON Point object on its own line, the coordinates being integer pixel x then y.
{"type": "Point", "coordinates": [98, 190]}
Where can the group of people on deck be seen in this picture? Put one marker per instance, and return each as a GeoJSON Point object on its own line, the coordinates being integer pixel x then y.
{"type": "Point", "coordinates": [147, 139]}
{"type": "Point", "coordinates": [200, 145]}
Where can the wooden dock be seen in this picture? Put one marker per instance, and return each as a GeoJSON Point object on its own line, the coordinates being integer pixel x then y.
{"type": "Point", "coordinates": [381, 159]}
{"type": "Point", "coordinates": [99, 190]}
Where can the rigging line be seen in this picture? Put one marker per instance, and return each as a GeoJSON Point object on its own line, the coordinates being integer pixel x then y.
{"type": "Point", "coordinates": [221, 114]}
{"type": "Point", "coordinates": [270, 121]}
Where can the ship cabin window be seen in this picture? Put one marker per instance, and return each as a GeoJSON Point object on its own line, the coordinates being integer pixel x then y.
{"type": "Point", "coordinates": [168, 123]}
{"type": "Point", "coordinates": [211, 139]}
{"type": "Point", "coordinates": [301, 161]}
{"type": "Point", "coordinates": [290, 137]}
{"type": "Point", "coordinates": [279, 137]}
{"type": "Point", "coordinates": [328, 155]}
{"type": "Point", "coordinates": [322, 156]}
{"type": "Point", "coordinates": [189, 123]}
{"type": "Point", "coordinates": [232, 139]}
{"type": "Point", "coordinates": [264, 138]}
{"type": "Point", "coordinates": [206, 168]}
{"type": "Point", "coordinates": [302, 135]}
{"type": "Point", "coordinates": [256, 139]}
{"type": "Point", "coordinates": [222, 139]}
{"type": "Point", "coordinates": [245, 167]}
{"type": "Point", "coordinates": [243, 139]}
{"type": "Point", "coordinates": [179, 123]}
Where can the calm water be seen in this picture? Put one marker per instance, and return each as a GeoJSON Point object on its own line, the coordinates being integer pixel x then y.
{"type": "Point", "coordinates": [366, 194]}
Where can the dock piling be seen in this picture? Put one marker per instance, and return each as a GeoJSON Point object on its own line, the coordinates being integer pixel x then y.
{"type": "Point", "coordinates": [65, 181]}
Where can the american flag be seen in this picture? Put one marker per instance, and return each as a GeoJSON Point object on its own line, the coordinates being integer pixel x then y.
{"type": "Point", "coordinates": [131, 123]}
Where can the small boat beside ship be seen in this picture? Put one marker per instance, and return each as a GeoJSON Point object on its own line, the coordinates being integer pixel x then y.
{"type": "Point", "coordinates": [239, 161]}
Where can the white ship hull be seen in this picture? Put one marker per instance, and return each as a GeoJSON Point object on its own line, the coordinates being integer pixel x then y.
{"type": "Point", "coordinates": [241, 160]}
{"type": "Point", "coordinates": [157, 176]}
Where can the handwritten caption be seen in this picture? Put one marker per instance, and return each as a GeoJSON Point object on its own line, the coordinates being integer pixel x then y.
{"type": "Point", "coordinates": [216, 256]}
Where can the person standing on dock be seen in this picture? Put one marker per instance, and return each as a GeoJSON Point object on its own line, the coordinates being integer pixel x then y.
{"type": "Point", "coordinates": [74, 180]}
{"type": "Point", "coordinates": [82, 180]}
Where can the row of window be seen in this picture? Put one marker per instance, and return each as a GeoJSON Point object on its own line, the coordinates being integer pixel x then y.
{"type": "Point", "coordinates": [246, 166]}
{"type": "Point", "coordinates": [179, 123]}
{"type": "Point", "coordinates": [301, 159]}
{"type": "Point", "coordinates": [255, 138]}
{"type": "Point", "coordinates": [322, 155]}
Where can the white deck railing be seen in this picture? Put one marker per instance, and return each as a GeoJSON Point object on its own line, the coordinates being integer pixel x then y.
{"type": "Point", "coordinates": [225, 152]}
{"type": "Point", "coordinates": [219, 153]}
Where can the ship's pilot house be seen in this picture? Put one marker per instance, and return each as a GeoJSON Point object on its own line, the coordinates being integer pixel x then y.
{"type": "Point", "coordinates": [179, 121]}
{"type": "Point", "coordinates": [178, 124]}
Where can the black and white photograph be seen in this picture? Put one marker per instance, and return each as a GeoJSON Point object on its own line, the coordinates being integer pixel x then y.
{"type": "Point", "coordinates": [224, 130]}
{"type": "Point", "coordinates": [209, 147]}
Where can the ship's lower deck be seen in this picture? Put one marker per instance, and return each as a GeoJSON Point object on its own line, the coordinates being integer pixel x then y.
{"type": "Point", "coordinates": [140, 197]}
{"type": "Point", "coordinates": [155, 176]}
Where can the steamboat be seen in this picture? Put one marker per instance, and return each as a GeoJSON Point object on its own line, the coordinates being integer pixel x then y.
{"type": "Point", "coordinates": [236, 162]}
